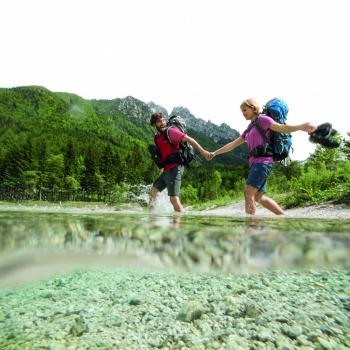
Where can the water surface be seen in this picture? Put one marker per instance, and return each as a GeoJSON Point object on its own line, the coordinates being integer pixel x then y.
{"type": "Point", "coordinates": [36, 244]}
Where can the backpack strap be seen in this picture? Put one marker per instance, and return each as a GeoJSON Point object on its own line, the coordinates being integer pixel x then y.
{"type": "Point", "coordinates": [261, 131]}
{"type": "Point", "coordinates": [258, 126]}
{"type": "Point", "coordinates": [175, 156]}
{"type": "Point", "coordinates": [166, 136]}
{"type": "Point", "coordinates": [250, 127]}
{"type": "Point", "coordinates": [265, 150]}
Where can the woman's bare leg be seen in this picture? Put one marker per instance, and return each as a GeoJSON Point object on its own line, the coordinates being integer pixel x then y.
{"type": "Point", "coordinates": [249, 195]}
{"type": "Point", "coordinates": [268, 203]}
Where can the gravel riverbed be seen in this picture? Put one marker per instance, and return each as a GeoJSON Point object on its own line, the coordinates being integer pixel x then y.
{"type": "Point", "coordinates": [120, 309]}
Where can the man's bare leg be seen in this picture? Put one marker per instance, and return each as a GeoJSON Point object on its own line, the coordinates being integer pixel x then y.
{"type": "Point", "coordinates": [152, 196]}
{"type": "Point", "coordinates": [175, 201]}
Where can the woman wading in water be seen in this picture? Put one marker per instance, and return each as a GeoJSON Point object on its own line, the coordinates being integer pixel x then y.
{"type": "Point", "coordinates": [259, 166]}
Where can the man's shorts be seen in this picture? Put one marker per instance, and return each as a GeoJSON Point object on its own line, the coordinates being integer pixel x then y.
{"type": "Point", "coordinates": [171, 180]}
{"type": "Point", "coordinates": [257, 176]}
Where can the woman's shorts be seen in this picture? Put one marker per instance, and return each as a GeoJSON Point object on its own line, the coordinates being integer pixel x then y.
{"type": "Point", "coordinates": [257, 176]}
{"type": "Point", "coordinates": [171, 180]}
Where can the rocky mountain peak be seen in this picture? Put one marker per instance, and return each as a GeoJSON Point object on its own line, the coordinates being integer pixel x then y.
{"type": "Point", "coordinates": [215, 132]}
{"type": "Point", "coordinates": [132, 107]}
{"type": "Point", "coordinates": [157, 109]}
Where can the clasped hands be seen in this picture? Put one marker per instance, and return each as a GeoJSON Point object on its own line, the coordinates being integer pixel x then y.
{"type": "Point", "coordinates": [209, 155]}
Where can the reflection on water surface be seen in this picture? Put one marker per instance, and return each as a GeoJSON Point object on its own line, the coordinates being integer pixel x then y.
{"type": "Point", "coordinates": [36, 244]}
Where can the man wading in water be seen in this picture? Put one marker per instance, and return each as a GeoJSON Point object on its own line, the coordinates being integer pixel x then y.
{"type": "Point", "coordinates": [171, 176]}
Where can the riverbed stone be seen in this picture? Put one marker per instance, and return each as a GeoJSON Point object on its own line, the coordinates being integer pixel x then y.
{"type": "Point", "coordinates": [292, 331]}
{"type": "Point", "coordinates": [79, 327]}
{"type": "Point", "coordinates": [191, 311]}
{"type": "Point", "coordinates": [209, 316]}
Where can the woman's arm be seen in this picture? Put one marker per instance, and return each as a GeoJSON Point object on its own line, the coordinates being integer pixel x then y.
{"type": "Point", "coordinates": [229, 146]}
{"type": "Point", "coordinates": [307, 127]}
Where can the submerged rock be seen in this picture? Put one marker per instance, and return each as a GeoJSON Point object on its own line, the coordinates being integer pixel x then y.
{"type": "Point", "coordinates": [79, 327]}
{"type": "Point", "coordinates": [190, 311]}
{"type": "Point", "coordinates": [292, 332]}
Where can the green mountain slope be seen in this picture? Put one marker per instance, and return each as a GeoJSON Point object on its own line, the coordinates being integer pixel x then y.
{"type": "Point", "coordinates": [58, 141]}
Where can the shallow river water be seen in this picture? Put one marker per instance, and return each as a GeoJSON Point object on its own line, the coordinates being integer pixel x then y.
{"type": "Point", "coordinates": [37, 243]}
{"type": "Point", "coordinates": [104, 279]}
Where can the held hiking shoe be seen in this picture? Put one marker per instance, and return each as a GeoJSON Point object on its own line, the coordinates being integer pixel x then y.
{"type": "Point", "coordinates": [326, 136]}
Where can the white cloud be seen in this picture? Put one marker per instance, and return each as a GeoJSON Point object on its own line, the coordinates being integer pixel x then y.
{"type": "Point", "coordinates": [205, 55]}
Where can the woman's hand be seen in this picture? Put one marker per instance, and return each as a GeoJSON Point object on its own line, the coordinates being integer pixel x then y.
{"type": "Point", "coordinates": [210, 155]}
{"type": "Point", "coordinates": [308, 127]}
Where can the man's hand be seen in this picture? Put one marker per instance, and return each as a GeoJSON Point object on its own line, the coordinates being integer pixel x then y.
{"type": "Point", "coordinates": [209, 156]}
{"type": "Point", "coordinates": [206, 155]}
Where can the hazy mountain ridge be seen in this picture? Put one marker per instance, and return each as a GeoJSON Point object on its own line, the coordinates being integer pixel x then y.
{"type": "Point", "coordinates": [134, 108]}
{"type": "Point", "coordinates": [34, 100]}
{"type": "Point", "coordinates": [214, 131]}
{"type": "Point", "coordinates": [218, 133]}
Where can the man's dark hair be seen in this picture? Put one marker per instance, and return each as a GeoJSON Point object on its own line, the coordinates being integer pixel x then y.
{"type": "Point", "coordinates": [155, 117]}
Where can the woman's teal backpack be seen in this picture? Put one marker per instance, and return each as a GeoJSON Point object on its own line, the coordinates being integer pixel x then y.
{"type": "Point", "coordinates": [278, 109]}
{"type": "Point", "coordinates": [279, 144]}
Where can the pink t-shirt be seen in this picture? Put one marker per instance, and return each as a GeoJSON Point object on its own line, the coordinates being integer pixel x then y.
{"type": "Point", "coordinates": [254, 139]}
{"type": "Point", "coordinates": [165, 148]}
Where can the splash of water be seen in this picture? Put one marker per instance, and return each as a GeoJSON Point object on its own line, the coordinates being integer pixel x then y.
{"type": "Point", "coordinates": [161, 205]}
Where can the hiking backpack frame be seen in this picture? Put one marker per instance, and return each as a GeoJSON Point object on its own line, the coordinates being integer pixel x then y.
{"type": "Point", "coordinates": [279, 144]}
{"type": "Point", "coordinates": [183, 156]}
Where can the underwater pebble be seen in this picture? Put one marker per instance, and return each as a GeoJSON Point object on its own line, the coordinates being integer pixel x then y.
{"type": "Point", "coordinates": [79, 327]}
{"type": "Point", "coordinates": [203, 314]}
{"type": "Point", "coordinates": [56, 347]}
{"type": "Point", "coordinates": [134, 301]}
{"type": "Point", "coordinates": [190, 311]}
{"type": "Point", "coordinates": [292, 332]}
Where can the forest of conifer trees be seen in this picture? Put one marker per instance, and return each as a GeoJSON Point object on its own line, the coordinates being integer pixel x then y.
{"type": "Point", "coordinates": [58, 146]}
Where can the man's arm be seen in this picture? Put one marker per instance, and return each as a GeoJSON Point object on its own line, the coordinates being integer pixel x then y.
{"type": "Point", "coordinates": [229, 146]}
{"type": "Point", "coordinates": [197, 146]}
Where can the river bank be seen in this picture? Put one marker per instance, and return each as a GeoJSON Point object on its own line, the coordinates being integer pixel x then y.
{"type": "Point", "coordinates": [327, 210]}
{"type": "Point", "coordinates": [324, 211]}
{"type": "Point", "coordinates": [148, 310]}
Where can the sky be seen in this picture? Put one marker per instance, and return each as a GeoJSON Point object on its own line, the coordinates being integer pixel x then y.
{"type": "Point", "coordinates": [205, 55]}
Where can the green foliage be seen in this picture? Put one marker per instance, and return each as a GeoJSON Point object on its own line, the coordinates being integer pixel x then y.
{"type": "Point", "coordinates": [320, 182]}
{"type": "Point", "coordinates": [120, 193]}
{"type": "Point", "coordinates": [189, 194]}
{"type": "Point", "coordinates": [237, 157]}
{"type": "Point", "coordinates": [211, 187]}
{"type": "Point", "coordinates": [55, 171]}
{"type": "Point", "coordinates": [325, 157]}
{"type": "Point", "coordinates": [59, 144]}
{"type": "Point", "coordinates": [30, 180]}
{"type": "Point", "coordinates": [71, 184]}
{"type": "Point", "coordinates": [212, 183]}
{"type": "Point", "coordinates": [62, 143]}
{"type": "Point", "coordinates": [281, 176]}
{"type": "Point", "coordinates": [346, 147]}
